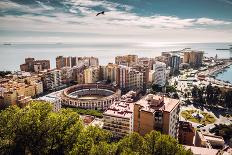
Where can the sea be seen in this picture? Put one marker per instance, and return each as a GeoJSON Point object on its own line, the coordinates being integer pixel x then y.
{"type": "Point", "coordinates": [11, 56]}
{"type": "Point", "coordinates": [226, 75]}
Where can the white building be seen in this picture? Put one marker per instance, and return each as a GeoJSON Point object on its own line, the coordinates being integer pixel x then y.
{"type": "Point", "coordinates": [160, 73]}
{"type": "Point", "coordinates": [52, 79]}
{"type": "Point", "coordinates": [54, 99]}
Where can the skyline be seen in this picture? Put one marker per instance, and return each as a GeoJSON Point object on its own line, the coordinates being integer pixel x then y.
{"type": "Point", "coordinates": [128, 21]}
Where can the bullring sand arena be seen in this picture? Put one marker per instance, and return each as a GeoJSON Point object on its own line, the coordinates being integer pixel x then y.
{"type": "Point", "coordinates": [90, 96]}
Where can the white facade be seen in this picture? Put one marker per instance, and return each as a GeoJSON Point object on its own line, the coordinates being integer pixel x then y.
{"type": "Point", "coordinates": [52, 79]}
{"type": "Point", "coordinates": [123, 72]}
{"type": "Point", "coordinates": [160, 73]}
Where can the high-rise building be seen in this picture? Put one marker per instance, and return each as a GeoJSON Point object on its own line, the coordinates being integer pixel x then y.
{"type": "Point", "coordinates": [129, 78]}
{"type": "Point", "coordinates": [174, 63]}
{"type": "Point", "coordinates": [87, 61]}
{"type": "Point", "coordinates": [78, 74]}
{"type": "Point", "coordinates": [194, 58]}
{"type": "Point", "coordinates": [135, 80]}
{"type": "Point", "coordinates": [160, 73]}
{"type": "Point", "coordinates": [122, 76]}
{"type": "Point", "coordinates": [92, 74]}
{"type": "Point", "coordinates": [32, 65]}
{"type": "Point", "coordinates": [156, 113]}
{"type": "Point", "coordinates": [66, 75]}
{"type": "Point", "coordinates": [52, 79]}
{"type": "Point", "coordinates": [75, 61]}
{"type": "Point", "coordinates": [127, 60]}
{"type": "Point", "coordinates": [110, 72]}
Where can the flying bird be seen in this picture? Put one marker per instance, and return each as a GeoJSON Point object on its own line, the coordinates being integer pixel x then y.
{"type": "Point", "coordinates": [100, 13]}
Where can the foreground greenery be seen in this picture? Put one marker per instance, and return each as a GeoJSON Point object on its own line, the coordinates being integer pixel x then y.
{"type": "Point", "coordinates": [36, 129]}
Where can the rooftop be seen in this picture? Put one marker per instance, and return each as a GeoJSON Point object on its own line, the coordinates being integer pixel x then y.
{"type": "Point", "coordinates": [123, 108]}
{"type": "Point", "coordinates": [151, 103]}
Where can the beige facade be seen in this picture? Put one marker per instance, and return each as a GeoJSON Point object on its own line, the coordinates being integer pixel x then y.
{"type": "Point", "coordinates": [110, 72]}
{"type": "Point", "coordinates": [92, 74]}
{"type": "Point", "coordinates": [194, 58]}
{"type": "Point", "coordinates": [127, 60]}
{"type": "Point", "coordinates": [156, 113]}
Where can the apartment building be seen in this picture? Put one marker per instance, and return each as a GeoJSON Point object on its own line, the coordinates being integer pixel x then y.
{"type": "Point", "coordinates": [129, 78]}
{"type": "Point", "coordinates": [118, 118]}
{"type": "Point", "coordinates": [66, 75]}
{"type": "Point", "coordinates": [159, 73]}
{"type": "Point", "coordinates": [51, 79]}
{"type": "Point", "coordinates": [127, 60]}
{"type": "Point", "coordinates": [92, 74]}
{"type": "Point", "coordinates": [135, 80]}
{"type": "Point", "coordinates": [78, 74]}
{"type": "Point", "coordinates": [159, 113]}
{"type": "Point", "coordinates": [32, 65]}
{"type": "Point", "coordinates": [87, 61]}
{"type": "Point", "coordinates": [194, 58]}
{"type": "Point", "coordinates": [110, 72]}
{"type": "Point", "coordinates": [174, 63]}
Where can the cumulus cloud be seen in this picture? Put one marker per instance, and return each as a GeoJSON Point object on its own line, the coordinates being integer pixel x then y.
{"type": "Point", "coordinates": [119, 21]}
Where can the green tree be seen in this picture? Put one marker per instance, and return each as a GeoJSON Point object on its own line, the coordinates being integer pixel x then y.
{"type": "Point", "coordinates": [131, 144]}
{"type": "Point", "coordinates": [150, 141]}
{"type": "Point", "coordinates": [104, 148]}
{"type": "Point", "coordinates": [37, 130]}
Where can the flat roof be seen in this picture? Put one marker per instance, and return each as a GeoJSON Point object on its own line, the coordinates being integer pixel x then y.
{"type": "Point", "coordinates": [168, 104]}
{"type": "Point", "coordinates": [121, 109]}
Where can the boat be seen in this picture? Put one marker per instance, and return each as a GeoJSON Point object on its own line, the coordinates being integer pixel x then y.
{"type": "Point", "coordinates": [222, 49]}
{"type": "Point", "coordinates": [7, 44]}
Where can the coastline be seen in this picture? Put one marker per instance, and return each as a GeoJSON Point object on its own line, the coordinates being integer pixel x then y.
{"type": "Point", "coordinates": [211, 74]}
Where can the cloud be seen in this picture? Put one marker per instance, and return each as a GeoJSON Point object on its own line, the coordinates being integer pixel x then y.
{"type": "Point", "coordinates": [208, 21]}
{"type": "Point", "coordinates": [119, 22]}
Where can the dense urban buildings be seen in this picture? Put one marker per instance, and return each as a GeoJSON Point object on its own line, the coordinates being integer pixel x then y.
{"type": "Point", "coordinates": [194, 58]}
{"type": "Point", "coordinates": [127, 60]}
{"type": "Point", "coordinates": [32, 65]}
{"type": "Point", "coordinates": [155, 112]}
{"type": "Point", "coordinates": [19, 88]}
{"type": "Point", "coordinates": [62, 61]}
{"type": "Point", "coordinates": [80, 82]}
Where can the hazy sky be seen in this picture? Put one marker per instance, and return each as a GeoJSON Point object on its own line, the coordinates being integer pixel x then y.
{"type": "Point", "coordinates": [125, 21]}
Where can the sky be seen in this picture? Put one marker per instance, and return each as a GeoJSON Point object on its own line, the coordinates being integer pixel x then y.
{"type": "Point", "coordinates": [125, 21]}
